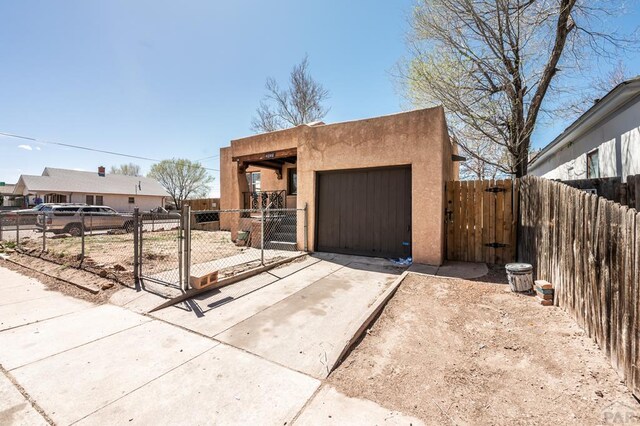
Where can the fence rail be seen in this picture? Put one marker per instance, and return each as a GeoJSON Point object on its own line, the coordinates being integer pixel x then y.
{"type": "Point", "coordinates": [589, 248]}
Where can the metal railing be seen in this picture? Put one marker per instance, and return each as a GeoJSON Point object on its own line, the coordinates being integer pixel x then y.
{"type": "Point", "coordinates": [265, 199]}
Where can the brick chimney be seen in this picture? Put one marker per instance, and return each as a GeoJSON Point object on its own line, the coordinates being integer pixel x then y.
{"type": "Point", "coordinates": [101, 171]}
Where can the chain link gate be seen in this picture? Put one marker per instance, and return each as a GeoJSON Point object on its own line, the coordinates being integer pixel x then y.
{"type": "Point", "coordinates": [158, 248]}
{"type": "Point", "coordinates": [190, 249]}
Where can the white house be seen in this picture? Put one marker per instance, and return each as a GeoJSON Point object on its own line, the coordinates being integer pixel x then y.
{"type": "Point", "coordinates": [7, 199]}
{"type": "Point", "coordinates": [603, 142]}
{"type": "Point", "coordinates": [122, 193]}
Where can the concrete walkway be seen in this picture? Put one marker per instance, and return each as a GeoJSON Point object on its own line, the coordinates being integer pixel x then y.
{"type": "Point", "coordinates": [79, 363]}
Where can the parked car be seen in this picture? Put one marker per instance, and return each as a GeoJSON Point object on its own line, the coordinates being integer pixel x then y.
{"type": "Point", "coordinates": [43, 207]}
{"type": "Point", "coordinates": [69, 219]}
{"type": "Point", "coordinates": [159, 214]}
{"type": "Point", "coordinates": [28, 216]}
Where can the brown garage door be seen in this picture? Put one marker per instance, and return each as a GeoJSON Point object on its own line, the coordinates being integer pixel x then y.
{"type": "Point", "coordinates": [365, 212]}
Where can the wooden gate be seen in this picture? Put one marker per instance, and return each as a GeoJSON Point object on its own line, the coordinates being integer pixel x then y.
{"type": "Point", "coordinates": [481, 218]}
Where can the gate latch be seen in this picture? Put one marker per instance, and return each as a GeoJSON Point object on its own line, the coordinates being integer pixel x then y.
{"type": "Point", "coordinates": [496, 245]}
{"type": "Point", "coordinates": [495, 189]}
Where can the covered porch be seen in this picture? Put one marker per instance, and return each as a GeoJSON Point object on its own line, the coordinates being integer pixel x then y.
{"type": "Point", "coordinates": [271, 179]}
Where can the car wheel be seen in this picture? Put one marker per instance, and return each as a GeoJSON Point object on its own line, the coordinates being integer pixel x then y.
{"type": "Point", "coordinates": [75, 230]}
{"type": "Point", "coordinates": [128, 226]}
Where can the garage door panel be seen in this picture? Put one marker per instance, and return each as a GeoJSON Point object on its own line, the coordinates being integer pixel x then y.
{"type": "Point", "coordinates": [365, 212]}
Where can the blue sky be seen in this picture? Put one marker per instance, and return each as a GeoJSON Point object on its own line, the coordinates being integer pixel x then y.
{"type": "Point", "coordinates": [167, 79]}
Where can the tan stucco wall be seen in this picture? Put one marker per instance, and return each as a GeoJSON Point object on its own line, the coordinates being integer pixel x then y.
{"type": "Point", "coordinates": [417, 138]}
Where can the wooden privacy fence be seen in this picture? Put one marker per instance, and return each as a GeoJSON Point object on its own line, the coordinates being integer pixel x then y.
{"type": "Point", "coordinates": [589, 248]}
{"type": "Point", "coordinates": [203, 203]}
{"type": "Point", "coordinates": [632, 191]}
{"type": "Point", "coordinates": [481, 218]}
{"type": "Point", "coordinates": [612, 188]}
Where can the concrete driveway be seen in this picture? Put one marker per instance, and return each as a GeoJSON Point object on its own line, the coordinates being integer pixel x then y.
{"type": "Point", "coordinates": [300, 315]}
{"type": "Point", "coordinates": [67, 361]}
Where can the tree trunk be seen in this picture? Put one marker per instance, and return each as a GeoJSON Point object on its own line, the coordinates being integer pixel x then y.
{"type": "Point", "coordinates": [522, 159]}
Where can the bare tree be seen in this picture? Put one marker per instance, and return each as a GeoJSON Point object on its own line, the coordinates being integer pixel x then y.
{"type": "Point", "coordinates": [616, 75]}
{"type": "Point", "coordinates": [481, 165]}
{"type": "Point", "coordinates": [498, 65]}
{"type": "Point", "coordinates": [125, 169]}
{"type": "Point", "coordinates": [300, 103]}
{"type": "Point", "coordinates": [182, 179]}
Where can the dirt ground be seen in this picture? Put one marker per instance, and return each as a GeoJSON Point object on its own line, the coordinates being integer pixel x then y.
{"type": "Point", "coordinates": [451, 351]}
{"type": "Point", "coordinates": [43, 271]}
{"type": "Point", "coordinates": [160, 249]}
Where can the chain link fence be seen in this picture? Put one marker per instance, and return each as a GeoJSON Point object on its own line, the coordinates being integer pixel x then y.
{"type": "Point", "coordinates": [14, 226]}
{"type": "Point", "coordinates": [95, 239]}
{"type": "Point", "coordinates": [180, 250]}
{"type": "Point", "coordinates": [232, 241]}
{"type": "Point", "coordinates": [213, 245]}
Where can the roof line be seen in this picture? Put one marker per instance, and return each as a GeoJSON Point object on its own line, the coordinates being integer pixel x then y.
{"type": "Point", "coordinates": [314, 124]}
{"type": "Point", "coordinates": [599, 104]}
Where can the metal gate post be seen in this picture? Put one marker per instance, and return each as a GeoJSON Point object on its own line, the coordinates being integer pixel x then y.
{"type": "Point", "coordinates": [186, 211]}
{"type": "Point", "coordinates": [136, 230]}
{"type": "Point", "coordinates": [180, 249]}
{"type": "Point", "coordinates": [44, 232]}
{"type": "Point", "coordinates": [82, 237]}
{"type": "Point", "coordinates": [306, 230]}
{"type": "Point", "coordinates": [18, 231]}
{"type": "Point", "coordinates": [262, 237]}
{"type": "Point", "coordinates": [140, 246]}
{"type": "Point", "coordinates": [1, 224]}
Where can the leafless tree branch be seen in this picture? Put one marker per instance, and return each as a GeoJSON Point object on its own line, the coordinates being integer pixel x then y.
{"type": "Point", "coordinates": [301, 102]}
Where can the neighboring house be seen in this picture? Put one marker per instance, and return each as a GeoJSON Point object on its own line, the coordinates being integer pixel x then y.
{"type": "Point", "coordinates": [7, 199]}
{"type": "Point", "coordinates": [603, 142]}
{"type": "Point", "coordinates": [373, 187]}
{"type": "Point", "coordinates": [122, 193]}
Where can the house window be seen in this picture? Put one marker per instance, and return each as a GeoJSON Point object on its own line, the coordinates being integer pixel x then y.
{"type": "Point", "coordinates": [55, 198]}
{"type": "Point", "coordinates": [593, 167]}
{"type": "Point", "coordinates": [132, 200]}
{"type": "Point", "coordinates": [89, 199]}
{"type": "Point", "coordinates": [292, 181]}
{"type": "Point", "coordinates": [253, 179]}
{"type": "Point", "coordinates": [99, 200]}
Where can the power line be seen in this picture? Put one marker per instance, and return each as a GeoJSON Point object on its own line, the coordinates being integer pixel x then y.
{"type": "Point", "coordinates": [89, 149]}
{"type": "Point", "coordinates": [207, 158]}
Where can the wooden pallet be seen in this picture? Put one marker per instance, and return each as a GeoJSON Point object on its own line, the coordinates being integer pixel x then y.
{"type": "Point", "coordinates": [203, 281]}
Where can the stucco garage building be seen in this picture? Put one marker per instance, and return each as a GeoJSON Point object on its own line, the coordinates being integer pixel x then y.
{"type": "Point", "coordinates": [372, 187]}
